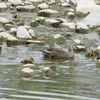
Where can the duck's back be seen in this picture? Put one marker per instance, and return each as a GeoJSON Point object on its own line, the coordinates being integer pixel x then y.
{"type": "Point", "coordinates": [56, 53]}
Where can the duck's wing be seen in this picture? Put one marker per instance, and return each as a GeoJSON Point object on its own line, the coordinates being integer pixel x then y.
{"type": "Point", "coordinates": [47, 52]}
{"type": "Point", "coordinates": [59, 53]}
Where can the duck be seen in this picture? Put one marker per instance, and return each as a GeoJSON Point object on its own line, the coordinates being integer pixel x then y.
{"type": "Point", "coordinates": [28, 61]}
{"type": "Point", "coordinates": [57, 53]}
{"type": "Point", "coordinates": [92, 54]}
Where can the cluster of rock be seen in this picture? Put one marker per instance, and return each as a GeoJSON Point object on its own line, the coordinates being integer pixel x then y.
{"type": "Point", "coordinates": [79, 16]}
{"type": "Point", "coordinates": [30, 69]}
{"type": "Point", "coordinates": [86, 11]}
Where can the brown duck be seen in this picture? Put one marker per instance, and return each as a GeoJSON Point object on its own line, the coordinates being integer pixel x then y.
{"type": "Point", "coordinates": [57, 53]}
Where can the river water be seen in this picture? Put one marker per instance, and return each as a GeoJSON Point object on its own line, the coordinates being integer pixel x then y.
{"type": "Point", "coordinates": [72, 80]}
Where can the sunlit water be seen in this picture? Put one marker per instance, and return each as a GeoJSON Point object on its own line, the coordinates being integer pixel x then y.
{"type": "Point", "coordinates": [72, 80]}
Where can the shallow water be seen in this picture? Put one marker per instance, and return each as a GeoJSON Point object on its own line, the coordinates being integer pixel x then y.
{"type": "Point", "coordinates": [72, 80]}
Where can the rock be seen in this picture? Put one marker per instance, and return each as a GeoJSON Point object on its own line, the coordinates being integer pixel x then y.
{"type": "Point", "coordinates": [98, 61]}
{"type": "Point", "coordinates": [82, 28]}
{"type": "Point", "coordinates": [51, 2]}
{"type": "Point", "coordinates": [98, 48]}
{"type": "Point", "coordinates": [34, 23]}
{"type": "Point", "coordinates": [80, 48]}
{"type": "Point", "coordinates": [74, 2]}
{"type": "Point", "coordinates": [57, 36]}
{"type": "Point", "coordinates": [71, 15]}
{"type": "Point", "coordinates": [4, 20]}
{"type": "Point", "coordinates": [98, 30]}
{"type": "Point", "coordinates": [52, 22]}
{"type": "Point", "coordinates": [69, 25]}
{"type": "Point", "coordinates": [40, 19]}
{"type": "Point", "coordinates": [8, 26]}
{"type": "Point", "coordinates": [47, 12]}
{"type": "Point", "coordinates": [91, 9]}
{"type": "Point", "coordinates": [85, 6]}
{"type": "Point", "coordinates": [32, 66]}
{"type": "Point", "coordinates": [8, 36]}
{"type": "Point", "coordinates": [35, 1]}
{"type": "Point", "coordinates": [77, 41]}
{"type": "Point", "coordinates": [59, 39]}
{"type": "Point", "coordinates": [47, 72]}
{"type": "Point", "coordinates": [27, 72]}
{"type": "Point", "coordinates": [34, 41]}
{"type": "Point", "coordinates": [15, 2]}
{"type": "Point", "coordinates": [13, 31]}
{"type": "Point", "coordinates": [3, 6]}
{"type": "Point", "coordinates": [27, 27]}
{"type": "Point", "coordinates": [43, 6]}
{"type": "Point", "coordinates": [25, 8]}
{"type": "Point", "coordinates": [32, 33]}
{"type": "Point", "coordinates": [65, 4]}
{"type": "Point", "coordinates": [23, 33]}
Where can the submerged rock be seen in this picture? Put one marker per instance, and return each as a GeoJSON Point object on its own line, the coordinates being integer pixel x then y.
{"type": "Point", "coordinates": [35, 42]}
{"type": "Point", "coordinates": [32, 66]}
{"type": "Point", "coordinates": [25, 8]}
{"type": "Point", "coordinates": [47, 12]}
{"type": "Point", "coordinates": [27, 72]}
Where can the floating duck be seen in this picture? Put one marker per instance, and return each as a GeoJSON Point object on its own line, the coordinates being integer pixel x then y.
{"type": "Point", "coordinates": [57, 53]}
{"type": "Point", "coordinates": [28, 61]}
{"type": "Point", "coordinates": [92, 54]}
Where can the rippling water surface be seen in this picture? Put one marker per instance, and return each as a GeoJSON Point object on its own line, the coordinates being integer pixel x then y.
{"type": "Point", "coordinates": [72, 80]}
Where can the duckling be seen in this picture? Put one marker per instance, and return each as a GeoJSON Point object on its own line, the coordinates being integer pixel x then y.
{"type": "Point", "coordinates": [98, 61]}
{"type": "Point", "coordinates": [92, 54]}
{"type": "Point", "coordinates": [28, 61]}
{"type": "Point", "coordinates": [57, 53]}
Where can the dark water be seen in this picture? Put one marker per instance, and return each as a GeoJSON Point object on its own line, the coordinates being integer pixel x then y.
{"type": "Point", "coordinates": [72, 80]}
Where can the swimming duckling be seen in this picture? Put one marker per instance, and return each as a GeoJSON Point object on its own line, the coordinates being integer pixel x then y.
{"type": "Point", "coordinates": [98, 61]}
{"type": "Point", "coordinates": [57, 53]}
{"type": "Point", "coordinates": [92, 54]}
{"type": "Point", "coordinates": [28, 61]}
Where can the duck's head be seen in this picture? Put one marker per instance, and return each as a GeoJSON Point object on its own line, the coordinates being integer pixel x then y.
{"type": "Point", "coordinates": [72, 47]}
{"type": "Point", "coordinates": [31, 60]}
